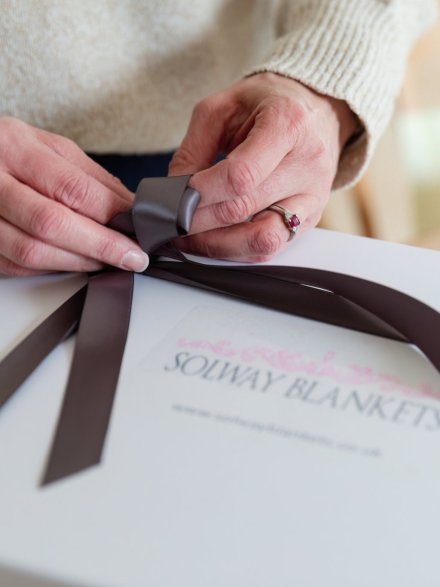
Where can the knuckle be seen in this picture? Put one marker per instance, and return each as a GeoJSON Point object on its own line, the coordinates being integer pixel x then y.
{"type": "Point", "coordinates": [205, 108]}
{"type": "Point", "coordinates": [319, 157]}
{"type": "Point", "coordinates": [71, 190]}
{"type": "Point", "coordinates": [265, 244]}
{"type": "Point", "coordinates": [281, 105]}
{"type": "Point", "coordinates": [46, 222]}
{"type": "Point", "coordinates": [204, 247]}
{"type": "Point", "coordinates": [199, 107]}
{"type": "Point", "coordinates": [296, 126]}
{"type": "Point", "coordinates": [27, 252]}
{"type": "Point", "coordinates": [10, 126]}
{"type": "Point", "coordinates": [182, 158]}
{"type": "Point", "coordinates": [300, 114]}
{"type": "Point", "coordinates": [242, 176]}
{"type": "Point", "coordinates": [106, 250]}
{"type": "Point", "coordinates": [66, 143]}
{"type": "Point", "coordinates": [292, 117]}
{"type": "Point", "coordinates": [11, 269]}
{"type": "Point", "coordinates": [235, 211]}
{"type": "Point", "coordinates": [5, 184]}
{"type": "Point", "coordinates": [60, 145]}
{"type": "Point", "coordinates": [13, 135]}
{"type": "Point", "coordinates": [296, 129]}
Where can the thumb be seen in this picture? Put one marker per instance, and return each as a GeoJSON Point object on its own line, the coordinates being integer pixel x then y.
{"type": "Point", "coordinates": [201, 144]}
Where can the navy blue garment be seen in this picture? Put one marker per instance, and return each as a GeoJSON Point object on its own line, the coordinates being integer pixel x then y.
{"type": "Point", "coordinates": [130, 169]}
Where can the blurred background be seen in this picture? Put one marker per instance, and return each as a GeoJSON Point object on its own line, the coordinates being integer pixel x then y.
{"type": "Point", "coordinates": [399, 197]}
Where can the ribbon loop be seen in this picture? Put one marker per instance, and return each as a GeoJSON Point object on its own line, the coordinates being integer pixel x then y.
{"type": "Point", "coordinates": [163, 210]}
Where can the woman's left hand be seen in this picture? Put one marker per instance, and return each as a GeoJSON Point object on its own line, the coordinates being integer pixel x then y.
{"type": "Point", "coordinates": [283, 142]}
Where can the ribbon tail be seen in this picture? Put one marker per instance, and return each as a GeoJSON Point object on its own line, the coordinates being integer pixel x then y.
{"type": "Point", "coordinates": [28, 354]}
{"type": "Point", "coordinates": [285, 296]}
{"type": "Point", "coordinates": [417, 322]}
{"type": "Point", "coordinates": [88, 400]}
{"type": "Point", "coordinates": [338, 299]}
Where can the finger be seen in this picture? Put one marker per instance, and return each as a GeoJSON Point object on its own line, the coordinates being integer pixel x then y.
{"type": "Point", "coordinates": [201, 143]}
{"type": "Point", "coordinates": [248, 165]}
{"type": "Point", "coordinates": [71, 152]}
{"type": "Point", "coordinates": [29, 253]}
{"type": "Point", "coordinates": [306, 207]}
{"type": "Point", "coordinates": [291, 176]}
{"type": "Point", "coordinates": [258, 240]}
{"type": "Point", "coordinates": [61, 227]}
{"type": "Point", "coordinates": [10, 269]}
{"type": "Point", "coordinates": [51, 175]}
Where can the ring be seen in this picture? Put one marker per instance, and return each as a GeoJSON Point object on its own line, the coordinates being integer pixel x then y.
{"type": "Point", "coordinates": [290, 220]}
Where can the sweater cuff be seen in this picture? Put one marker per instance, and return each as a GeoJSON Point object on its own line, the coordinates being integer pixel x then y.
{"type": "Point", "coordinates": [353, 51]}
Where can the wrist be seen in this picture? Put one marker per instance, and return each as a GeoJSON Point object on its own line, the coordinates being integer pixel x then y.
{"type": "Point", "coordinates": [349, 124]}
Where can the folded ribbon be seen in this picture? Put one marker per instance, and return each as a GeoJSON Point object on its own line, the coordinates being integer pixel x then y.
{"type": "Point", "coordinates": [163, 210]}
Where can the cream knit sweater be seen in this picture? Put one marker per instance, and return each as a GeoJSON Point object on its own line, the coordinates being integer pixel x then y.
{"type": "Point", "coordinates": [123, 75]}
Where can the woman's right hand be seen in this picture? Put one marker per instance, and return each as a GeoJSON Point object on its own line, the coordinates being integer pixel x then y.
{"type": "Point", "coordinates": [54, 203]}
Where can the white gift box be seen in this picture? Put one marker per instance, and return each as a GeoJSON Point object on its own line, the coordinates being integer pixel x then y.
{"type": "Point", "coordinates": [246, 447]}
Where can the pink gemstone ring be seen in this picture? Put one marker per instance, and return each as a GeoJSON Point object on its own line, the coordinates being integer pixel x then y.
{"type": "Point", "coordinates": [290, 220]}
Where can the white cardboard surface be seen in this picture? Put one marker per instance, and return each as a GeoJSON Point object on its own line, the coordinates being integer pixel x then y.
{"type": "Point", "coordinates": [227, 461]}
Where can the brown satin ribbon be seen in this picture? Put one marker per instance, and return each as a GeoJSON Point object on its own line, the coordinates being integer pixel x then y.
{"type": "Point", "coordinates": [163, 209]}
{"type": "Point", "coordinates": [94, 373]}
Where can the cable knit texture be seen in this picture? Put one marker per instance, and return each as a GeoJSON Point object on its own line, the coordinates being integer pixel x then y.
{"type": "Point", "coordinates": [122, 76]}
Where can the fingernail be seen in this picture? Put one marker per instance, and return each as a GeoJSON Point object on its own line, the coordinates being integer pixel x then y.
{"type": "Point", "coordinates": [135, 261]}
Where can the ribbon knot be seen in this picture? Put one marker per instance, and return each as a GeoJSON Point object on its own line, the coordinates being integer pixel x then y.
{"type": "Point", "coordinates": [163, 210]}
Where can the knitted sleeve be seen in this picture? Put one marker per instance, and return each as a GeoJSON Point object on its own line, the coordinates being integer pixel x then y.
{"type": "Point", "coordinates": [354, 50]}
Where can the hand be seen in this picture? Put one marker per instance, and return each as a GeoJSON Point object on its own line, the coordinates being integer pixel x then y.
{"type": "Point", "coordinates": [54, 201]}
{"type": "Point", "coordinates": [283, 143]}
